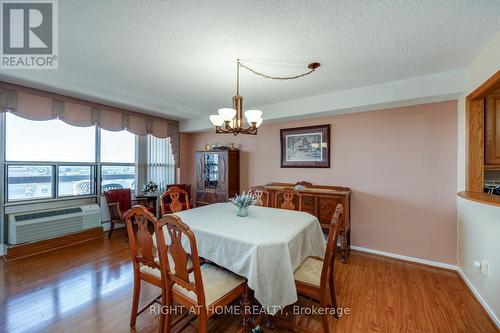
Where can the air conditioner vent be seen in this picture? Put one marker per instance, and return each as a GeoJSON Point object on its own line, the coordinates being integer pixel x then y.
{"type": "Point", "coordinates": [33, 226]}
{"type": "Point", "coordinates": [50, 213]}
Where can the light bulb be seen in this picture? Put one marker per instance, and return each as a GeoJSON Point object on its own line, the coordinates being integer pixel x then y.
{"type": "Point", "coordinates": [227, 114]}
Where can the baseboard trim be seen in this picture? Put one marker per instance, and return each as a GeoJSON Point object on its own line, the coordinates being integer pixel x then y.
{"type": "Point", "coordinates": [495, 320]}
{"type": "Point", "coordinates": [406, 258]}
{"type": "Point", "coordinates": [35, 248]}
{"type": "Point", "coordinates": [479, 298]}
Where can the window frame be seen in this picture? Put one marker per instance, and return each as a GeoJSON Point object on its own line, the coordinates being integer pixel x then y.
{"type": "Point", "coordinates": [54, 184]}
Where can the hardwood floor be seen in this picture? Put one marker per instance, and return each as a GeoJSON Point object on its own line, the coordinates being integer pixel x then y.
{"type": "Point", "coordinates": [88, 288]}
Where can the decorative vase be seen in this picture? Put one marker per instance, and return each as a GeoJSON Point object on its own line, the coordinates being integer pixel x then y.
{"type": "Point", "coordinates": [242, 211]}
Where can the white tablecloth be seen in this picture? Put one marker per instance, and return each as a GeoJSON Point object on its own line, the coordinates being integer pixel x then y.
{"type": "Point", "coordinates": [266, 247]}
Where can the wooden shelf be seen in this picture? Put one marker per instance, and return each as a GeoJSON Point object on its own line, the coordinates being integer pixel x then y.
{"type": "Point", "coordinates": [481, 197]}
{"type": "Point", "coordinates": [491, 167]}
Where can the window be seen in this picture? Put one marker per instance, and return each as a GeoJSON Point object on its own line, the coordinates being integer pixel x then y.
{"type": "Point", "coordinates": [27, 182]}
{"type": "Point", "coordinates": [51, 159]}
{"type": "Point", "coordinates": [117, 176]}
{"type": "Point", "coordinates": [160, 161]}
{"type": "Point", "coordinates": [117, 147]}
{"type": "Point", "coordinates": [117, 160]}
{"type": "Point", "coordinates": [47, 141]}
{"type": "Point", "coordinates": [76, 180]}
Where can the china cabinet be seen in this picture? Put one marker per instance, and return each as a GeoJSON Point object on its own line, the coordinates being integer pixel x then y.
{"type": "Point", "coordinates": [217, 175]}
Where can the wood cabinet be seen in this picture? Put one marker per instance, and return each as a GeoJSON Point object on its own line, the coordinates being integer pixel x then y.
{"type": "Point", "coordinates": [492, 131]}
{"type": "Point", "coordinates": [320, 201]}
{"type": "Point", "coordinates": [217, 175]}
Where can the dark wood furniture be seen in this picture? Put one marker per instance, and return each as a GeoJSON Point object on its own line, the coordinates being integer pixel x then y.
{"type": "Point", "coordinates": [119, 202]}
{"type": "Point", "coordinates": [288, 198]}
{"type": "Point", "coordinates": [315, 276]}
{"type": "Point", "coordinates": [174, 200]}
{"type": "Point", "coordinates": [320, 201]}
{"type": "Point", "coordinates": [217, 175]}
{"type": "Point", "coordinates": [201, 289]}
{"type": "Point", "coordinates": [140, 228]}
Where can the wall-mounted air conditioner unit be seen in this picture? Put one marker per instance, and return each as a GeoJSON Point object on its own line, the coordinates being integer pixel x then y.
{"type": "Point", "coordinates": [34, 226]}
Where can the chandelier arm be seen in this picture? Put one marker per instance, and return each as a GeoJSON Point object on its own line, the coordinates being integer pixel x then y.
{"type": "Point", "coordinates": [311, 66]}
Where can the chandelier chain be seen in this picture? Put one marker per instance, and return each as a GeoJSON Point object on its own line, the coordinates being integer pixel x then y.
{"type": "Point", "coordinates": [281, 78]}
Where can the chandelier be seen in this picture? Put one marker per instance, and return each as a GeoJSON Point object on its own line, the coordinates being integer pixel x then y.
{"type": "Point", "coordinates": [230, 120]}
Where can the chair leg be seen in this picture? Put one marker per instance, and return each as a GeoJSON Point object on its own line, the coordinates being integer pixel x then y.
{"type": "Point", "coordinates": [326, 326]}
{"type": "Point", "coordinates": [111, 228]}
{"type": "Point", "coordinates": [246, 304]}
{"type": "Point", "coordinates": [163, 316]}
{"type": "Point", "coordinates": [332, 296]}
{"type": "Point", "coordinates": [135, 300]}
{"type": "Point", "coordinates": [202, 321]}
{"type": "Point", "coordinates": [167, 303]}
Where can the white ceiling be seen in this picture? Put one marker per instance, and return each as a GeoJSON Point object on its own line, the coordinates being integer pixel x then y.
{"type": "Point", "coordinates": [177, 58]}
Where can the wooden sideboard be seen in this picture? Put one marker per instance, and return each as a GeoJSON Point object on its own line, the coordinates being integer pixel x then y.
{"type": "Point", "coordinates": [321, 201]}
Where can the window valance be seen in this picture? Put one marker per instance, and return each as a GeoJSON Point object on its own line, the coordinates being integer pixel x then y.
{"type": "Point", "coordinates": [36, 104]}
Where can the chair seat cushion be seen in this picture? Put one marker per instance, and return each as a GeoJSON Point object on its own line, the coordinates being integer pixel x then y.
{"type": "Point", "coordinates": [309, 272]}
{"type": "Point", "coordinates": [217, 282]}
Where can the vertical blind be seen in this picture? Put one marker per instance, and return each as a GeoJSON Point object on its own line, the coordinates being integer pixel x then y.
{"type": "Point", "coordinates": [160, 161]}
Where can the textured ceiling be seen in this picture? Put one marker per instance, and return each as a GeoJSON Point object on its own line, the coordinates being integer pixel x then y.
{"type": "Point", "coordinates": [177, 58]}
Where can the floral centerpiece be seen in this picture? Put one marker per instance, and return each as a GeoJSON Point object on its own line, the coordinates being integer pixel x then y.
{"type": "Point", "coordinates": [243, 201]}
{"type": "Point", "coordinates": [150, 187]}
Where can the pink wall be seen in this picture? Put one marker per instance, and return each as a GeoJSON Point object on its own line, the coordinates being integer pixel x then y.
{"type": "Point", "coordinates": [401, 165]}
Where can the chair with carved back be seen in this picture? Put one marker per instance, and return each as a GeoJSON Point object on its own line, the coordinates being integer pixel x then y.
{"type": "Point", "coordinates": [288, 195]}
{"type": "Point", "coordinates": [261, 196]}
{"type": "Point", "coordinates": [119, 202]}
{"type": "Point", "coordinates": [201, 289]}
{"type": "Point", "coordinates": [140, 224]}
{"type": "Point", "coordinates": [174, 200]}
{"type": "Point", "coordinates": [185, 187]}
{"type": "Point", "coordinates": [315, 276]}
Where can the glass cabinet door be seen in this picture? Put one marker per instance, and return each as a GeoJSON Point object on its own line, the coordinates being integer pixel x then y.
{"type": "Point", "coordinates": [211, 171]}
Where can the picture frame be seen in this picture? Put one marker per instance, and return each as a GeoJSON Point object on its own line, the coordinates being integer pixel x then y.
{"type": "Point", "coordinates": [305, 147]}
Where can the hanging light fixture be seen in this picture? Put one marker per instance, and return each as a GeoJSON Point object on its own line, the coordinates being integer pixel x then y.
{"type": "Point", "coordinates": [230, 120]}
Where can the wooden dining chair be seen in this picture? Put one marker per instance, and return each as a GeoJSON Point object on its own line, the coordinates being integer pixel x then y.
{"type": "Point", "coordinates": [315, 276]}
{"type": "Point", "coordinates": [140, 225]}
{"type": "Point", "coordinates": [261, 195]}
{"type": "Point", "coordinates": [201, 289]}
{"type": "Point", "coordinates": [171, 201]}
{"type": "Point", "coordinates": [288, 195]}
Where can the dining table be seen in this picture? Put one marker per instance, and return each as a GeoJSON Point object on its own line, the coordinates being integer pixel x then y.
{"type": "Point", "coordinates": [265, 247]}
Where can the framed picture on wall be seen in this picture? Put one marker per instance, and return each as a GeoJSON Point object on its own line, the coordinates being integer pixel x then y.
{"type": "Point", "coordinates": [305, 147]}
